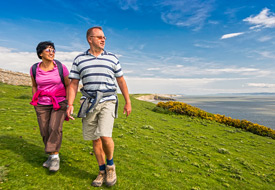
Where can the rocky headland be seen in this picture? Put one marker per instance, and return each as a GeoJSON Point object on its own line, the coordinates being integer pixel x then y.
{"type": "Point", "coordinates": [156, 97]}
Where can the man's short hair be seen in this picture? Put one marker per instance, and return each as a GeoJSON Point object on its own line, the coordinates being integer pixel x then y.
{"type": "Point", "coordinates": [90, 31]}
{"type": "Point", "coordinates": [43, 45]}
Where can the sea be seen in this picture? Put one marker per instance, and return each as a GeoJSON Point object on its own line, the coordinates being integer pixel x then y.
{"type": "Point", "coordinates": [255, 108]}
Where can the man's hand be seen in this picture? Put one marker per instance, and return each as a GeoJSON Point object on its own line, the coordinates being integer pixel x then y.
{"type": "Point", "coordinates": [72, 90]}
{"type": "Point", "coordinates": [127, 109]}
{"type": "Point", "coordinates": [124, 89]}
{"type": "Point", "coordinates": [70, 111]}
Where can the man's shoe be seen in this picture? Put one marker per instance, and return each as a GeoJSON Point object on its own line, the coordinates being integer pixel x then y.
{"type": "Point", "coordinates": [47, 163]}
{"type": "Point", "coordinates": [110, 175]}
{"type": "Point", "coordinates": [100, 179]}
{"type": "Point", "coordinates": [54, 166]}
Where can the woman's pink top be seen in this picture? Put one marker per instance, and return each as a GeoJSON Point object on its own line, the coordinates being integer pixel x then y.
{"type": "Point", "coordinates": [49, 82]}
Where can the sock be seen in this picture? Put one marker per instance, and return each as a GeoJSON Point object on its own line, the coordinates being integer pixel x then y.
{"type": "Point", "coordinates": [110, 162]}
{"type": "Point", "coordinates": [54, 155]}
{"type": "Point", "coordinates": [102, 167]}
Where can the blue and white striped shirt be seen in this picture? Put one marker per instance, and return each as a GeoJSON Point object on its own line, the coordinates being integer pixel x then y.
{"type": "Point", "coordinates": [97, 73]}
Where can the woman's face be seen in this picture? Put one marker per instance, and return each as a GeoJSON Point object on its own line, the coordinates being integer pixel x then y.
{"type": "Point", "coordinates": [48, 53]}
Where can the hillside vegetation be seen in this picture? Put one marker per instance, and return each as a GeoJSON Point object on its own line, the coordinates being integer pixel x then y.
{"type": "Point", "coordinates": [186, 109]}
{"type": "Point", "coordinates": [152, 151]}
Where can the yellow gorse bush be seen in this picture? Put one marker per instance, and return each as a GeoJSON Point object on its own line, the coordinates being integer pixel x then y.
{"type": "Point", "coordinates": [185, 109]}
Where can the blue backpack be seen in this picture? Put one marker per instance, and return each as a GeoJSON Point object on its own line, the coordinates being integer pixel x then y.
{"type": "Point", "coordinates": [60, 70]}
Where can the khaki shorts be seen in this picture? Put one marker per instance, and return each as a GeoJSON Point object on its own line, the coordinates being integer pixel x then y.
{"type": "Point", "coordinates": [100, 122]}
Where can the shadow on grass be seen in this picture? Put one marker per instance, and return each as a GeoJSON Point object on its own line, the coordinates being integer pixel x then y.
{"type": "Point", "coordinates": [34, 155]}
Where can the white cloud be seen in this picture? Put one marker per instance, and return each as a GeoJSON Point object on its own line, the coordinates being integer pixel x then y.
{"type": "Point", "coordinates": [232, 12]}
{"type": "Point", "coordinates": [214, 22]}
{"type": "Point", "coordinates": [231, 35]}
{"type": "Point", "coordinates": [187, 13]}
{"type": "Point", "coordinates": [180, 59]}
{"type": "Point", "coordinates": [136, 46]}
{"type": "Point", "coordinates": [183, 85]}
{"type": "Point", "coordinates": [164, 85]}
{"type": "Point", "coordinates": [264, 19]}
{"type": "Point", "coordinates": [183, 13]}
{"type": "Point", "coordinates": [86, 19]}
{"type": "Point", "coordinates": [141, 46]}
{"type": "Point", "coordinates": [22, 61]}
{"type": "Point", "coordinates": [128, 71]}
{"type": "Point", "coordinates": [4, 40]}
{"type": "Point", "coordinates": [207, 44]}
{"type": "Point", "coordinates": [128, 4]}
{"type": "Point", "coordinates": [5, 50]}
{"type": "Point", "coordinates": [204, 70]}
{"type": "Point", "coordinates": [261, 85]}
{"type": "Point", "coordinates": [153, 69]}
{"type": "Point", "coordinates": [202, 45]}
{"type": "Point", "coordinates": [267, 54]}
{"type": "Point", "coordinates": [232, 70]}
{"type": "Point", "coordinates": [265, 38]}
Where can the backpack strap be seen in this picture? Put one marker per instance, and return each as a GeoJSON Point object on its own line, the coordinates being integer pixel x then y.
{"type": "Point", "coordinates": [60, 71]}
{"type": "Point", "coordinates": [34, 70]}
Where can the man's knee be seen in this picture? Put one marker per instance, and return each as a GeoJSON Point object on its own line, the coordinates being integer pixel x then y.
{"type": "Point", "coordinates": [106, 139]}
{"type": "Point", "coordinates": [97, 141]}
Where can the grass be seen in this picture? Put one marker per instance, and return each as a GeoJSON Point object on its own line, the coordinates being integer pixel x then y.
{"type": "Point", "coordinates": [152, 151]}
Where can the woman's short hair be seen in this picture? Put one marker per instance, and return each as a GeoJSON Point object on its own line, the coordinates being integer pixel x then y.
{"type": "Point", "coordinates": [43, 45]}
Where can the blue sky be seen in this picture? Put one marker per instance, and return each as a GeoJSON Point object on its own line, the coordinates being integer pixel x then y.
{"type": "Point", "coordinates": [170, 47]}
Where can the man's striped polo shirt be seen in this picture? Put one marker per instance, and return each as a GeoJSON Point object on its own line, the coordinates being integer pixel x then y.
{"type": "Point", "coordinates": [97, 73]}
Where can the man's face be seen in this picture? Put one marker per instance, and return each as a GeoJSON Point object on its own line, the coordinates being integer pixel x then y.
{"type": "Point", "coordinates": [97, 39]}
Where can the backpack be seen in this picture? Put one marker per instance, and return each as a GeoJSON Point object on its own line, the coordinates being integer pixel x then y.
{"type": "Point", "coordinates": [60, 70]}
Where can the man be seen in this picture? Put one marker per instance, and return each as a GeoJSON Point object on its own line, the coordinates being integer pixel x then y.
{"type": "Point", "coordinates": [98, 71]}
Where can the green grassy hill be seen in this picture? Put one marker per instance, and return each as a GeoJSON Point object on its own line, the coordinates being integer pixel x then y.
{"type": "Point", "coordinates": [152, 151]}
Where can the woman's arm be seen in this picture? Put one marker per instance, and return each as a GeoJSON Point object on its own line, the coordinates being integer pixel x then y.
{"type": "Point", "coordinates": [34, 86]}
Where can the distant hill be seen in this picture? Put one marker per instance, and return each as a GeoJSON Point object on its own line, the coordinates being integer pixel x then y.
{"type": "Point", "coordinates": [14, 78]}
{"type": "Point", "coordinates": [18, 78]}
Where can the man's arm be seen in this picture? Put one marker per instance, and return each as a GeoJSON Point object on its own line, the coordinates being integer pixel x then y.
{"type": "Point", "coordinates": [72, 94]}
{"type": "Point", "coordinates": [124, 89]}
{"type": "Point", "coordinates": [67, 83]}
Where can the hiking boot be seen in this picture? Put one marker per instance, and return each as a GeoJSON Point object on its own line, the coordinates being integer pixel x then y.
{"type": "Point", "coordinates": [47, 163]}
{"type": "Point", "coordinates": [54, 166]}
{"type": "Point", "coordinates": [110, 175]}
{"type": "Point", "coordinates": [100, 179]}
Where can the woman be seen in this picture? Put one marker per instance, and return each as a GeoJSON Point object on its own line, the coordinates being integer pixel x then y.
{"type": "Point", "coordinates": [49, 100]}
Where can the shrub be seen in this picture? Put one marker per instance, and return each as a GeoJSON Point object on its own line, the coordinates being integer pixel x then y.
{"type": "Point", "coordinates": [24, 96]}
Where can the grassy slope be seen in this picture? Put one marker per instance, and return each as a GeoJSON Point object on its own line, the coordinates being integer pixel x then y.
{"type": "Point", "coordinates": [153, 151]}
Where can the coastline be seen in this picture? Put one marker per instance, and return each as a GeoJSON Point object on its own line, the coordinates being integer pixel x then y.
{"type": "Point", "coordinates": [156, 97]}
{"type": "Point", "coordinates": [255, 108]}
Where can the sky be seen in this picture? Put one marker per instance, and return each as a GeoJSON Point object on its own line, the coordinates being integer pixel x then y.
{"type": "Point", "coordinates": [190, 47]}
